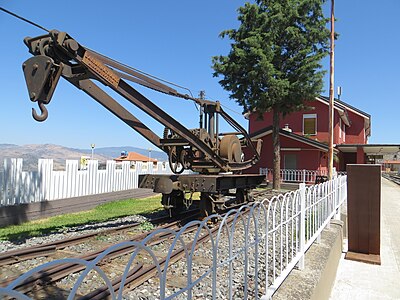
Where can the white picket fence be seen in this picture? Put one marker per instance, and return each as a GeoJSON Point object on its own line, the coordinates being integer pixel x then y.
{"type": "Point", "coordinates": [17, 186]}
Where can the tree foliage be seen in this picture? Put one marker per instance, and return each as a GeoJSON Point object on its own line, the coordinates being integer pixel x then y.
{"type": "Point", "coordinates": [275, 56]}
{"type": "Point", "coordinates": [275, 60]}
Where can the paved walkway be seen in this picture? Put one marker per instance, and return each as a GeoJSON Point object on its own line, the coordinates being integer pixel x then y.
{"type": "Point", "coordinates": [356, 280]}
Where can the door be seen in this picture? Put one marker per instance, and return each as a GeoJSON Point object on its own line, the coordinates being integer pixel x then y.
{"type": "Point", "coordinates": [290, 165]}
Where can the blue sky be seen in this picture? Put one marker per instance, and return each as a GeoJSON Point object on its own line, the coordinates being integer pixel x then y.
{"type": "Point", "coordinates": [175, 40]}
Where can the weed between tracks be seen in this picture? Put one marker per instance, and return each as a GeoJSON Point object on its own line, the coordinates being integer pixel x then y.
{"type": "Point", "coordinates": [101, 213]}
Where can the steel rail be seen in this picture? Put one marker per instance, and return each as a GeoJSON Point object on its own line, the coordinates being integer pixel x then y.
{"type": "Point", "coordinates": [55, 273]}
{"type": "Point", "coordinates": [19, 255]}
{"type": "Point", "coordinates": [15, 256]}
{"type": "Point", "coordinates": [133, 280]}
{"type": "Point", "coordinates": [392, 178]}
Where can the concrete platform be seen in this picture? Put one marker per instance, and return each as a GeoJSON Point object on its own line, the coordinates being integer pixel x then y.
{"type": "Point", "coordinates": [358, 280]}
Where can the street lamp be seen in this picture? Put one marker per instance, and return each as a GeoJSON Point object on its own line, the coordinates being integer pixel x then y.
{"type": "Point", "coordinates": [92, 146]}
{"type": "Point", "coordinates": [149, 154]}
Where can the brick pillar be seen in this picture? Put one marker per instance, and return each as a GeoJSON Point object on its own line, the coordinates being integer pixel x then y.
{"type": "Point", "coordinates": [363, 212]}
{"type": "Point", "coordinates": [360, 156]}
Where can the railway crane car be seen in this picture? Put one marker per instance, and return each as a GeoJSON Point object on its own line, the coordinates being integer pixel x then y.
{"type": "Point", "coordinates": [215, 159]}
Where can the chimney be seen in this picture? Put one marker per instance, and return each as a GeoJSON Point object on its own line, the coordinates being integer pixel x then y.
{"type": "Point", "coordinates": [287, 128]}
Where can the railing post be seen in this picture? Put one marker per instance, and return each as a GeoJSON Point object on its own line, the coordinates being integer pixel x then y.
{"type": "Point", "coordinates": [338, 194]}
{"type": "Point", "coordinates": [2, 186]}
{"type": "Point", "coordinates": [302, 231]}
{"type": "Point", "coordinates": [330, 199]}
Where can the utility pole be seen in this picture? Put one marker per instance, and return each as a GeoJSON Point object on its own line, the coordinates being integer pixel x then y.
{"type": "Point", "coordinates": [149, 155]}
{"type": "Point", "coordinates": [331, 92]}
{"type": "Point", "coordinates": [202, 96]}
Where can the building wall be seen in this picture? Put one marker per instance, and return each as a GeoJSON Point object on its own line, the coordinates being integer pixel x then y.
{"type": "Point", "coordinates": [307, 157]}
{"type": "Point", "coordinates": [355, 134]}
{"type": "Point", "coordinates": [347, 158]}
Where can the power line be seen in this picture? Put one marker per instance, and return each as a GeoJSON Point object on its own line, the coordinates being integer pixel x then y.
{"type": "Point", "coordinates": [230, 109]}
{"type": "Point", "coordinates": [23, 19]}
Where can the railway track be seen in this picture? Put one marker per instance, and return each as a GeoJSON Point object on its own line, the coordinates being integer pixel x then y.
{"type": "Point", "coordinates": [47, 249]}
{"type": "Point", "coordinates": [392, 177]}
{"type": "Point", "coordinates": [59, 249]}
{"type": "Point", "coordinates": [141, 272]}
{"type": "Point", "coordinates": [52, 274]}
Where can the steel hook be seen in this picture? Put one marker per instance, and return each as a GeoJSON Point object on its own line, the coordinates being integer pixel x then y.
{"type": "Point", "coordinates": [44, 113]}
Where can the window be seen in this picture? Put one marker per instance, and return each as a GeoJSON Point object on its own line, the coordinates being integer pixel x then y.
{"type": "Point", "coordinates": [310, 124]}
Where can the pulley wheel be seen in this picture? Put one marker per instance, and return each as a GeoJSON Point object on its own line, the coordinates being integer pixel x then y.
{"type": "Point", "coordinates": [230, 148]}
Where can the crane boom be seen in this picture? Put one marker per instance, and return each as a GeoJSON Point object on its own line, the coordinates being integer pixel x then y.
{"type": "Point", "coordinates": [204, 150]}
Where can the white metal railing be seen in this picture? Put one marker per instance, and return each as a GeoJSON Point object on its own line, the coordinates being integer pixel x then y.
{"type": "Point", "coordinates": [248, 255]}
{"type": "Point", "coordinates": [17, 186]}
{"type": "Point", "coordinates": [301, 215]}
{"type": "Point", "coordinates": [297, 176]}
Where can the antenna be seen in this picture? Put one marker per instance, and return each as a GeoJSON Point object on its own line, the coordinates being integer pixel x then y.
{"type": "Point", "coordinates": [339, 92]}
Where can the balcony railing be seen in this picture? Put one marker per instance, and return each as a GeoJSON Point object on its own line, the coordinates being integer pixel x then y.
{"type": "Point", "coordinates": [299, 176]}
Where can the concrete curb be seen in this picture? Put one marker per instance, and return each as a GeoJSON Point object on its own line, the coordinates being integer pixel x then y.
{"type": "Point", "coordinates": [321, 263]}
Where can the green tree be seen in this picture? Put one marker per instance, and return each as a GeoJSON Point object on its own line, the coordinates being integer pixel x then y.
{"type": "Point", "coordinates": [275, 59]}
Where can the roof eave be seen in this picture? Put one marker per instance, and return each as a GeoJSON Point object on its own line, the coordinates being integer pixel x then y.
{"type": "Point", "coordinates": [268, 130]}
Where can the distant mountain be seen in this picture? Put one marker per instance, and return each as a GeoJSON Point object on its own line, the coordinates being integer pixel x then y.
{"type": "Point", "coordinates": [5, 146]}
{"type": "Point", "coordinates": [31, 153]}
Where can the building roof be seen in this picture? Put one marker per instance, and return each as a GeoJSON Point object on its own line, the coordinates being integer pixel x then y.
{"type": "Point", "coordinates": [341, 104]}
{"type": "Point", "coordinates": [372, 149]}
{"type": "Point", "coordinates": [268, 130]}
{"type": "Point", "coordinates": [133, 156]}
{"type": "Point", "coordinates": [343, 107]}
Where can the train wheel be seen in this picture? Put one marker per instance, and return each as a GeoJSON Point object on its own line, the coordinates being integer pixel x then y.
{"type": "Point", "coordinates": [174, 160]}
{"type": "Point", "coordinates": [243, 196]}
{"type": "Point", "coordinates": [173, 202]}
{"type": "Point", "coordinates": [207, 206]}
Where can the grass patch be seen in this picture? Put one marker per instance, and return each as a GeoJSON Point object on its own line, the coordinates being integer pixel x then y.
{"type": "Point", "coordinates": [101, 213]}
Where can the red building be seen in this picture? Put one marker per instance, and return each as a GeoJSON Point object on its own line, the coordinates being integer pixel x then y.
{"type": "Point", "coordinates": [304, 137]}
